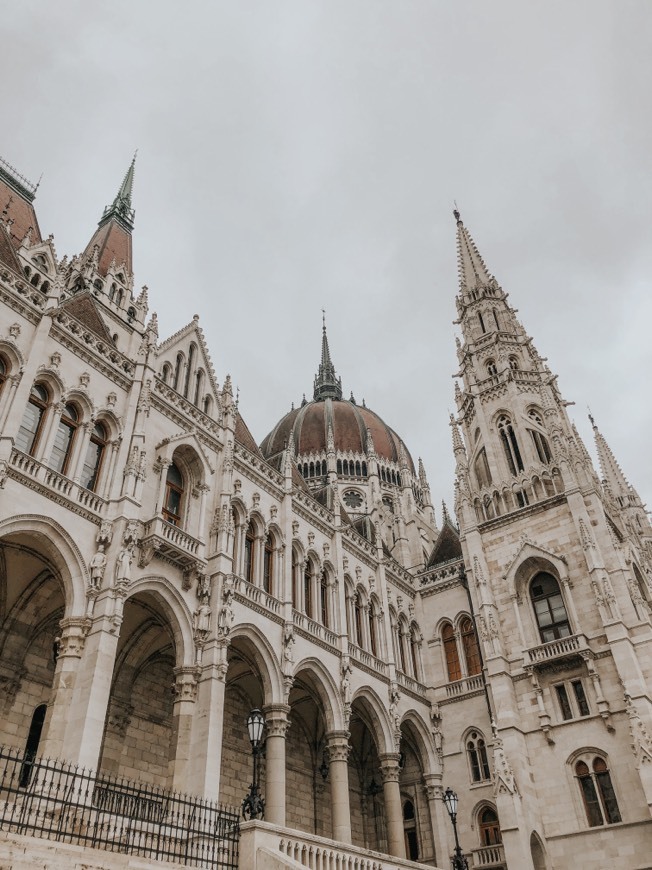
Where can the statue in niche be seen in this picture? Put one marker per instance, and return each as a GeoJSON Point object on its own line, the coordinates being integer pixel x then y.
{"type": "Point", "coordinates": [97, 566]}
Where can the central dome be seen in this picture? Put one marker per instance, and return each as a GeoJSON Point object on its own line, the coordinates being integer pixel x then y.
{"type": "Point", "coordinates": [310, 423]}
{"type": "Point", "coordinates": [350, 424]}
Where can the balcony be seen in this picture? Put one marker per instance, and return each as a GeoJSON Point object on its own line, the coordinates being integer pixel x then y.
{"type": "Point", "coordinates": [572, 648]}
{"type": "Point", "coordinates": [410, 684]}
{"type": "Point", "coordinates": [489, 856]}
{"type": "Point", "coordinates": [255, 597]}
{"type": "Point", "coordinates": [461, 688]}
{"type": "Point", "coordinates": [171, 543]}
{"type": "Point", "coordinates": [314, 629]}
{"type": "Point", "coordinates": [367, 660]}
{"type": "Point", "coordinates": [53, 485]}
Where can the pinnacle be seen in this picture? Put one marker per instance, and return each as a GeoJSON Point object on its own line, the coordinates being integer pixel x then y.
{"type": "Point", "coordinates": [472, 270]}
{"type": "Point", "coordinates": [611, 470]}
{"type": "Point", "coordinates": [121, 208]}
{"type": "Point", "coordinates": [327, 384]}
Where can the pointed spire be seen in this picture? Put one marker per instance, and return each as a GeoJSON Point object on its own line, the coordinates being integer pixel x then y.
{"type": "Point", "coordinates": [611, 471]}
{"type": "Point", "coordinates": [458, 444]}
{"type": "Point", "coordinates": [327, 385]}
{"type": "Point", "coordinates": [121, 208]}
{"type": "Point", "coordinates": [472, 270]}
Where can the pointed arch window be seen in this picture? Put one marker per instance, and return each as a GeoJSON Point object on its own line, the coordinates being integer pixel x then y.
{"type": "Point", "coordinates": [510, 444]}
{"type": "Point", "coordinates": [403, 636]}
{"type": "Point", "coordinates": [189, 367]}
{"type": "Point", "coordinates": [492, 368]}
{"type": "Point", "coordinates": [166, 373]}
{"type": "Point", "coordinates": [489, 827]}
{"type": "Point", "coordinates": [249, 544]}
{"type": "Point", "coordinates": [410, 830]}
{"type": "Point", "coordinates": [307, 590]}
{"type": "Point", "coordinates": [268, 565]}
{"type": "Point", "coordinates": [549, 608]}
{"type": "Point", "coordinates": [178, 371]}
{"type": "Point", "coordinates": [32, 424]}
{"type": "Point", "coordinates": [513, 363]}
{"type": "Point", "coordinates": [476, 750]}
{"type": "Point", "coordinates": [94, 457]}
{"type": "Point", "coordinates": [208, 405]}
{"type": "Point", "coordinates": [174, 492]}
{"type": "Point", "coordinates": [598, 792]}
{"type": "Point", "coordinates": [373, 633]}
{"type": "Point", "coordinates": [414, 653]}
{"type": "Point", "coordinates": [482, 470]}
{"type": "Point", "coordinates": [470, 647]}
{"type": "Point", "coordinates": [64, 439]}
{"type": "Point", "coordinates": [357, 607]}
{"type": "Point", "coordinates": [323, 598]}
{"type": "Point", "coordinates": [450, 652]}
{"type": "Point", "coordinates": [296, 577]}
{"type": "Point", "coordinates": [199, 383]}
{"type": "Point", "coordinates": [3, 372]}
{"type": "Point", "coordinates": [31, 747]}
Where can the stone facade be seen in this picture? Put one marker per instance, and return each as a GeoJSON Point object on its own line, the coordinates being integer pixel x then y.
{"type": "Point", "coordinates": [161, 575]}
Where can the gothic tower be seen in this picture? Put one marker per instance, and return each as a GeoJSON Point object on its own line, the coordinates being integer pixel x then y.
{"type": "Point", "coordinates": [559, 573]}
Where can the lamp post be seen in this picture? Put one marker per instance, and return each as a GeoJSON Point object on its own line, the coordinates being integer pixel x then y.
{"type": "Point", "coordinates": [450, 802]}
{"type": "Point", "coordinates": [253, 805]}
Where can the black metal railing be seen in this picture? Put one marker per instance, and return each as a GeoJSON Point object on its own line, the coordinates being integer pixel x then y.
{"type": "Point", "coordinates": [58, 801]}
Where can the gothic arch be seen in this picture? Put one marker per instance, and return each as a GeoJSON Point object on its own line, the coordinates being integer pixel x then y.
{"type": "Point", "coordinates": [375, 718]}
{"type": "Point", "coordinates": [326, 690]}
{"type": "Point", "coordinates": [538, 852]}
{"type": "Point", "coordinates": [422, 739]}
{"type": "Point", "coordinates": [265, 659]}
{"type": "Point", "coordinates": [11, 350]}
{"type": "Point", "coordinates": [530, 559]}
{"type": "Point", "coordinates": [78, 397]}
{"type": "Point", "coordinates": [175, 610]}
{"type": "Point", "coordinates": [59, 549]}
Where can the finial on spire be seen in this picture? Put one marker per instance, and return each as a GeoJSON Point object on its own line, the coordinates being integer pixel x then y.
{"type": "Point", "coordinates": [121, 208]}
{"type": "Point", "coordinates": [456, 213]}
{"type": "Point", "coordinates": [473, 273]}
{"type": "Point", "coordinates": [327, 384]}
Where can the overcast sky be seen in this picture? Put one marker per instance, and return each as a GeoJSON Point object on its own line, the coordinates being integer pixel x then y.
{"type": "Point", "coordinates": [295, 156]}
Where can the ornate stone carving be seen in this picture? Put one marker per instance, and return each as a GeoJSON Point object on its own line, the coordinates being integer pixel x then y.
{"type": "Point", "coordinates": [505, 781]}
{"type": "Point", "coordinates": [185, 683]}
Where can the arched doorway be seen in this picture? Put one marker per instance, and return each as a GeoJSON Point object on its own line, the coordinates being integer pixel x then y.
{"type": "Point", "coordinates": [366, 799]}
{"type": "Point", "coordinates": [538, 852]}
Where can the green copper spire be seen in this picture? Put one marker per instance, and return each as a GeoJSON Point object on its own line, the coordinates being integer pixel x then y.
{"type": "Point", "coordinates": [327, 384]}
{"type": "Point", "coordinates": [121, 209]}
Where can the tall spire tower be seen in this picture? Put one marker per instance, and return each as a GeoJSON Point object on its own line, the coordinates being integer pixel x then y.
{"type": "Point", "coordinates": [327, 384]}
{"type": "Point", "coordinates": [113, 234]}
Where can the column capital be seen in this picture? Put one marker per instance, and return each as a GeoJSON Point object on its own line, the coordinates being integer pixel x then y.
{"type": "Point", "coordinates": [432, 785]}
{"type": "Point", "coordinates": [389, 766]}
{"type": "Point", "coordinates": [71, 638]}
{"type": "Point", "coordinates": [338, 745]}
{"type": "Point", "coordinates": [277, 719]}
{"type": "Point", "coordinates": [186, 679]}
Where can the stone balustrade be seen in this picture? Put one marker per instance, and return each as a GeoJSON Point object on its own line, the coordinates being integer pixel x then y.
{"type": "Point", "coordinates": [410, 684]}
{"type": "Point", "coordinates": [570, 647]}
{"type": "Point", "coordinates": [251, 594]}
{"type": "Point", "coordinates": [489, 856]}
{"type": "Point", "coordinates": [264, 845]}
{"type": "Point", "coordinates": [172, 543]}
{"type": "Point", "coordinates": [464, 686]}
{"type": "Point", "coordinates": [361, 656]}
{"type": "Point", "coordinates": [54, 485]}
{"type": "Point", "coordinates": [314, 629]}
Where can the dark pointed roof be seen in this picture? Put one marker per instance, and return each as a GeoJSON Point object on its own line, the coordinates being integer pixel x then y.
{"type": "Point", "coordinates": [17, 205]}
{"type": "Point", "coordinates": [327, 384]}
{"type": "Point", "coordinates": [113, 233]}
{"type": "Point", "coordinates": [447, 546]}
{"type": "Point", "coordinates": [83, 308]}
{"type": "Point", "coordinates": [7, 255]}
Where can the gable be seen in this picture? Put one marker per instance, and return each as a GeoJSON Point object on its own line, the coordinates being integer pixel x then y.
{"type": "Point", "coordinates": [447, 546]}
{"type": "Point", "coordinates": [189, 340]}
{"type": "Point", "coordinates": [83, 308]}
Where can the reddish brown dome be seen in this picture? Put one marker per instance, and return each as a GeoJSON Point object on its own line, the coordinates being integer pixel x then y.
{"type": "Point", "coordinates": [309, 426]}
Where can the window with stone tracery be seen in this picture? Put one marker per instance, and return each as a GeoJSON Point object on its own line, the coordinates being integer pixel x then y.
{"type": "Point", "coordinates": [597, 791]}
{"type": "Point", "coordinates": [510, 444]}
{"type": "Point", "coordinates": [476, 750]}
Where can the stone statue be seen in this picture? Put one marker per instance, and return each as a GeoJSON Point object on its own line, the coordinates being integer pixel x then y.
{"type": "Point", "coordinates": [201, 621]}
{"type": "Point", "coordinates": [123, 565]}
{"type": "Point", "coordinates": [97, 566]}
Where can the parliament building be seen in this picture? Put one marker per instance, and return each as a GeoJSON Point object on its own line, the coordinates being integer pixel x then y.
{"type": "Point", "coordinates": [163, 575]}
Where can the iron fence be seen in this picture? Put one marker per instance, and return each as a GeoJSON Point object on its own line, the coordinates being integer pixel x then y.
{"type": "Point", "coordinates": [58, 801]}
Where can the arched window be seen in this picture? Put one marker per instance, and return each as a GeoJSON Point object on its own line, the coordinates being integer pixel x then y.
{"type": "Point", "coordinates": [64, 439]}
{"type": "Point", "coordinates": [112, 292]}
{"type": "Point", "coordinates": [403, 636]}
{"type": "Point", "coordinates": [307, 590]}
{"type": "Point", "coordinates": [470, 646]}
{"type": "Point", "coordinates": [482, 471]}
{"type": "Point", "coordinates": [597, 792]}
{"type": "Point", "coordinates": [510, 444]}
{"type": "Point", "coordinates": [451, 653]}
{"type": "Point", "coordinates": [199, 383]}
{"type": "Point", "coordinates": [178, 369]}
{"type": "Point", "coordinates": [236, 539]}
{"type": "Point", "coordinates": [357, 607]}
{"type": "Point", "coordinates": [323, 598]}
{"type": "Point", "coordinates": [491, 368]}
{"type": "Point", "coordinates": [410, 829]}
{"type": "Point", "coordinates": [296, 576]}
{"type": "Point", "coordinates": [3, 372]}
{"type": "Point", "coordinates": [414, 653]}
{"type": "Point", "coordinates": [373, 633]}
{"type": "Point", "coordinates": [191, 358]}
{"type": "Point", "coordinates": [94, 456]}
{"type": "Point", "coordinates": [166, 373]}
{"type": "Point", "coordinates": [31, 427]}
{"type": "Point", "coordinates": [268, 565]}
{"type": "Point", "coordinates": [495, 314]}
{"type": "Point", "coordinates": [481, 321]}
{"type": "Point", "coordinates": [489, 827]}
{"type": "Point", "coordinates": [31, 747]}
{"type": "Point", "coordinates": [513, 363]}
{"type": "Point", "coordinates": [174, 490]}
{"type": "Point", "coordinates": [208, 405]}
{"type": "Point", "coordinates": [549, 608]}
{"type": "Point", "coordinates": [476, 751]}
{"type": "Point", "coordinates": [250, 541]}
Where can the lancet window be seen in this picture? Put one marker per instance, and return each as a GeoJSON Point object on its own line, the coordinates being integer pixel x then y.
{"type": "Point", "coordinates": [510, 444]}
{"type": "Point", "coordinates": [32, 424]}
{"type": "Point", "coordinates": [597, 791]}
{"type": "Point", "coordinates": [64, 439]}
{"type": "Point", "coordinates": [94, 457]}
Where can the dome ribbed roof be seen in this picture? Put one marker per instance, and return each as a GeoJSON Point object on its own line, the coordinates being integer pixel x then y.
{"type": "Point", "coordinates": [309, 426]}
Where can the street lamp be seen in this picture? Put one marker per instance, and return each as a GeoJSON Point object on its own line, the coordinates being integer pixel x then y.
{"type": "Point", "coordinates": [450, 802]}
{"type": "Point", "coordinates": [253, 806]}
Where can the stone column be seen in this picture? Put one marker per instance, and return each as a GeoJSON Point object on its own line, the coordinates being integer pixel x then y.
{"type": "Point", "coordinates": [338, 769]}
{"type": "Point", "coordinates": [276, 719]}
{"type": "Point", "coordinates": [393, 811]}
{"type": "Point", "coordinates": [205, 763]}
{"type": "Point", "coordinates": [69, 647]}
{"type": "Point", "coordinates": [82, 739]}
{"type": "Point", "coordinates": [185, 695]}
{"type": "Point", "coordinates": [439, 821]}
